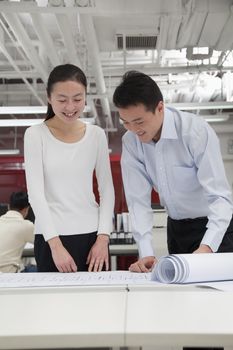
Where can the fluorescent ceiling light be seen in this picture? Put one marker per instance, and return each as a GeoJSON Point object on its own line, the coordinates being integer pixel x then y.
{"type": "Point", "coordinates": [201, 106]}
{"type": "Point", "coordinates": [23, 110]}
{"type": "Point", "coordinates": [9, 151]}
{"type": "Point", "coordinates": [19, 122]}
{"type": "Point", "coordinates": [29, 109]}
{"type": "Point", "coordinates": [28, 122]}
{"type": "Point", "coordinates": [216, 118]}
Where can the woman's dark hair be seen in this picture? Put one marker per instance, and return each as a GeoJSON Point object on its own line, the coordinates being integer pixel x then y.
{"type": "Point", "coordinates": [136, 88]}
{"type": "Point", "coordinates": [18, 201]}
{"type": "Point", "coordinates": [64, 72]}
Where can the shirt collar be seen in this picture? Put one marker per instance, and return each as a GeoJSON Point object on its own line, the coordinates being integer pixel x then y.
{"type": "Point", "coordinates": [13, 214]}
{"type": "Point", "coordinates": [168, 128]}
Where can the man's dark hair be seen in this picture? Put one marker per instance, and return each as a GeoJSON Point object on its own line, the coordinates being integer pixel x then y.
{"type": "Point", "coordinates": [137, 88]}
{"type": "Point", "coordinates": [18, 201]}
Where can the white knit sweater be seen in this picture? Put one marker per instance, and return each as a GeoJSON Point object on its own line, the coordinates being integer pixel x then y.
{"type": "Point", "coordinates": [59, 180]}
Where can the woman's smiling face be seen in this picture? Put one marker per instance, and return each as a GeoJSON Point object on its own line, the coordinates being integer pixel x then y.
{"type": "Point", "coordinates": [68, 100]}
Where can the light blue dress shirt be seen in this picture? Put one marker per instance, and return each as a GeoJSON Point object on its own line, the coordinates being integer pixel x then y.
{"type": "Point", "coordinates": [185, 167]}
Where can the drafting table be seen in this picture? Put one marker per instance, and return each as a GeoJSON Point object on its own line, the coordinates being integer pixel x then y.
{"type": "Point", "coordinates": [115, 316]}
{"type": "Point", "coordinates": [179, 316]}
{"type": "Point", "coordinates": [62, 317]}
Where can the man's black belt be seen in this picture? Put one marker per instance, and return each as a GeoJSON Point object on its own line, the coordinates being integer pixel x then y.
{"type": "Point", "coordinates": [190, 220]}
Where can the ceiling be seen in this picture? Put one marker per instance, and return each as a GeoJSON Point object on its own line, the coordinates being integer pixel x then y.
{"type": "Point", "coordinates": [185, 45]}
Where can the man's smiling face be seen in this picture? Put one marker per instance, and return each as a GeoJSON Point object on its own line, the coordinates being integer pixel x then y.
{"type": "Point", "coordinates": [145, 124]}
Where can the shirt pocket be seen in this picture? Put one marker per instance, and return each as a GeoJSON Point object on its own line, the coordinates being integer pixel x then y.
{"type": "Point", "coordinates": [185, 178]}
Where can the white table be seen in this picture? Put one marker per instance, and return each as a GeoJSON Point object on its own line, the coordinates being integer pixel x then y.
{"type": "Point", "coordinates": [115, 316]}
{"type": "Point", "coordinates": [179, 316]}
{"type": "Point", "coordinates": [62, 317]}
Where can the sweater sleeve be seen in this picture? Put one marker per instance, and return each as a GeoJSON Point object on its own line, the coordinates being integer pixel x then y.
{"type": "Point", "coordinates": [33, 158]}
{"type": "Point", "coordinates": [105, 185]}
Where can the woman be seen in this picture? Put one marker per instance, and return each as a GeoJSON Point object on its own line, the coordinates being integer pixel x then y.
{"type": "Point", "coordinates": [61, 154]}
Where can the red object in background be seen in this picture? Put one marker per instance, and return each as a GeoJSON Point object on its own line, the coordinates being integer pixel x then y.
{"type": "Point", "coordinates": [120, 201]}
{"type": "Point", "coordinates": [124, 262]}
{"type": "Point", "coordinates": [12, 179]}
{"type": "Point", "coordinates": [12, 176]}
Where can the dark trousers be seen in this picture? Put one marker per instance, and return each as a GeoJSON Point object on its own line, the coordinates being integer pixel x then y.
{"type": "Point", "coordinates": [184, 236]}
{"type": "Point", "coordinates": [77, 245]}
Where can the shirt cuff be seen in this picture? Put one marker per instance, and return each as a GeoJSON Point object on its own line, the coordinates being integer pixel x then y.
{"type": "Point", "coordinates": [145, 246]}
{"type": "Point", "coordinates": [212, 239]}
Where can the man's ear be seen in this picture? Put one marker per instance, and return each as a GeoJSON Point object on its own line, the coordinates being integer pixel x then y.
{"type": "Point", "coordinates": [160, 106]}
{"type": "Point", "coordinates": [24, 212]}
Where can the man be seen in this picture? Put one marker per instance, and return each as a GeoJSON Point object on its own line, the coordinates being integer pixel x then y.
{"type": "Point", "coordinates": [178, 155]}
{"type": "Point", "coordinates": [15, 232]}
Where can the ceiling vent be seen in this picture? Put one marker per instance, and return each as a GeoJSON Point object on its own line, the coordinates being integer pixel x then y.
{"type": "Point", "coordinates": [136, 42]}
{"type": "Point", "coordinates": [199, 53]}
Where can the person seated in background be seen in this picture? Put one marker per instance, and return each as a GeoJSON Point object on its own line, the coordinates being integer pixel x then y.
{"type": "Point", "coordinates": [15, 232]}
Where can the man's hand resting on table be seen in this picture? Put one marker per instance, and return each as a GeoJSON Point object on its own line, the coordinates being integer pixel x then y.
{"type": "Point", "coordinates": [203, 248]}
{"type": "Point", "coordinates": [146, 264]}
{"type": "Point", "coordinates": [143, 265]}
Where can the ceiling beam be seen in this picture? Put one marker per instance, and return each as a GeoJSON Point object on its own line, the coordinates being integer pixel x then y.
{"type": "Point", "coordinates": [109, 8]}
{"type": "Point", "coordinates": [22, 37]}
{"type": "Point", "coordinates": [29, 86]}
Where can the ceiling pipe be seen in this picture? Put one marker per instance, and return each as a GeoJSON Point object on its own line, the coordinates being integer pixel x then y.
{"type": "Point", "coordinates": [147, 68]}
{"type": "Point", "coordinates": [45, 39]}
{"type": "Point", "coordinates": [66, 33]}
{"type": "Point", "coordinates": [99, 8]}
{"type": "Point", "coordinates": [17, 75]}
{"type": "Point", "coordinates": [156, 70]}
{"type": "Point", "coordinates": [94, 55]}
{"type": "Point", "coordinates": [24, 63]}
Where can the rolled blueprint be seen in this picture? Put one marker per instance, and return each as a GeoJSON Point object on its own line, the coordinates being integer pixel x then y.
{"type": "Point", "coordinates": [188, 268]}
